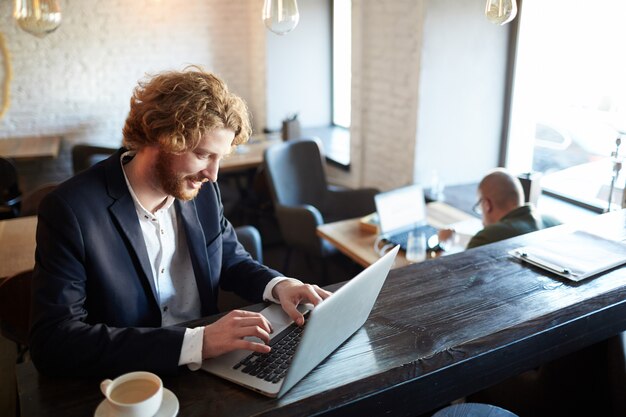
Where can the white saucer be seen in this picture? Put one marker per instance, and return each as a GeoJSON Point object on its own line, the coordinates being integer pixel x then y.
{"type": "Point", "coordinates": [169, 406]}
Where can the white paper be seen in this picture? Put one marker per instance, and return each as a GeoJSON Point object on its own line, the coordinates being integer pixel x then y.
{"type": "Point", "coordinates": [575, 256]}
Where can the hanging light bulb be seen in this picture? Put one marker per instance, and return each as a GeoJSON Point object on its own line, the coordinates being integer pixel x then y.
{"type": "Point", "coordinates": [281, 16]}
{"type": "Point", "coordinates": [500, 12]}
{"type": "Point", "coordinates": [38, 17]}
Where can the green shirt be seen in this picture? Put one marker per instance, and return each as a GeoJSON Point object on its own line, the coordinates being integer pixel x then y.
{"type": "Point", "coordinates": [517, 222]}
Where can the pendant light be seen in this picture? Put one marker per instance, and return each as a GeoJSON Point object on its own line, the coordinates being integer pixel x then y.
{"type": "Point", "coordinates": [501, 12]}
{"type": "Point", "coordinates": [37, 17]}
{"type": "Point", "coordinates": [281, 16]}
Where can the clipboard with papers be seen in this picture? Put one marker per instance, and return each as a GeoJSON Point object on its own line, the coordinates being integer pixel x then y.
{"type": "Point", "coordinates": [575, 256]}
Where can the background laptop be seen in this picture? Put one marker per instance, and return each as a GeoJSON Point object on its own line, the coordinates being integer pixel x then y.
{"type": "Point", "coordinates": [327, 326]}
{"type": "Point", "coordinates": [400, 211]}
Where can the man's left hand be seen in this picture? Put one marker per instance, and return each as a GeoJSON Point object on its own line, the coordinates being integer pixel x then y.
{"type": "Point", "coordinates": [293, 293]}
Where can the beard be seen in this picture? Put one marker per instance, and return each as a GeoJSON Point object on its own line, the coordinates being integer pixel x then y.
{"type": "Point", "coordinates": [172, 182]}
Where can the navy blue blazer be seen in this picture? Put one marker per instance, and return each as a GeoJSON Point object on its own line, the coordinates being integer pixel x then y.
{"type": "Point", "coordinates": [95, 309]}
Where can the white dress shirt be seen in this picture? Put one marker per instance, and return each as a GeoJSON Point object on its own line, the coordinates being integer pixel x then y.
{"type": "Point", "coordinates": [173, 273]}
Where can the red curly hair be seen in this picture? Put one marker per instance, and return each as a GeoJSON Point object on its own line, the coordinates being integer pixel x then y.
{"type": "Point", "coordinates": [174, 109]}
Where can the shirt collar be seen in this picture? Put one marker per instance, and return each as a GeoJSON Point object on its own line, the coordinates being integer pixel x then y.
{"type": "Point", "coordinates": [124, 159]}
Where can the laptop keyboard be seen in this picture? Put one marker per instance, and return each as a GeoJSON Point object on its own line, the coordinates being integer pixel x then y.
{"type": "Point", "coordinates": [403, 237]}
{"type": "Point", "coordinates": [272, 366]}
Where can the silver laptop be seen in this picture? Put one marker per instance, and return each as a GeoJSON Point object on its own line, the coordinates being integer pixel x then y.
{"type": "Point", "coordinates": [400, 211]}
{"type": "Point", "coordinates": [327, 326]}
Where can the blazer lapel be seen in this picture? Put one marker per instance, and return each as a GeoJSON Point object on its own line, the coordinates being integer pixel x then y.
{"type": "Point", "coordinates": [126, 217]}
{"type": "Point", "coordinates": [197, 250]}
{"type": "Point", "coordinates": [124, 212]}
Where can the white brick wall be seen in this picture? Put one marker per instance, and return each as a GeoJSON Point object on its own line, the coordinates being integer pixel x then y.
{"type": "Point", "coordinates": [237, 49]}
{"type": "Point", "coordinates": [424, 74]}
{"type": "Point", "coordinates": [385, 74]}
{"type": "Point", "coordinates": [77, 81]}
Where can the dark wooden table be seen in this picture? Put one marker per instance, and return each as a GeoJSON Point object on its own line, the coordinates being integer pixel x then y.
{"type": "Point", "coordinates": [248, 156]}
{"type": "Point", "coordinates": [441, 329]}
{"type": "Point", "coordinates": [349, 237]}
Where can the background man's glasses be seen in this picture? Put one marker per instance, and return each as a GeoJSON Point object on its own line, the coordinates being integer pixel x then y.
{"type": "Point", "coordinates": [477, 208]}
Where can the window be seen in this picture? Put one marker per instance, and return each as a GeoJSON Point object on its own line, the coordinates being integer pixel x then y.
{"type": "Point", "coordinates": [342, 68]}
{"type": "Point", "coordinates": [569, 97]}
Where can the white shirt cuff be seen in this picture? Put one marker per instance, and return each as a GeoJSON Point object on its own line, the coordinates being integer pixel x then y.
{"type": "Point", "coordinates": [191, 352]}
{"type": "Point", "coordinates": [267, 294]}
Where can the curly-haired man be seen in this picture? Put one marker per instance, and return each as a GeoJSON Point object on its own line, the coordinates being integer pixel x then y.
{"type": "Point", "coordinates": [138, 243]}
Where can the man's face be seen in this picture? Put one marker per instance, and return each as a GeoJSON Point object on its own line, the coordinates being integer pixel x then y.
{"type": "Point", "coordinates": [181, 176]}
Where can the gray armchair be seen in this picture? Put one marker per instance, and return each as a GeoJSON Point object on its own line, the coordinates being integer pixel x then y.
{"type": "Point", "coordinates": [303, 199]}
{"type": "Point", "coordinates": [250, 238]}
{"type": "Point", "coordinates": [10, 194]}
{"type": "Point", "coordinates": [85, 155]}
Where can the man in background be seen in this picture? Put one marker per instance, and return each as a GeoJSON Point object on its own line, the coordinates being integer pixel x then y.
{"type": "Point", "coordinates": [504, 214]}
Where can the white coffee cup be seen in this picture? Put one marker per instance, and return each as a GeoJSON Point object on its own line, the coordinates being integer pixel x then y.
{"type": "Point", "coordinates": [135, 394]}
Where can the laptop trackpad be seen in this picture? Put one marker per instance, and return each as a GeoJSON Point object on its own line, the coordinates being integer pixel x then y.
{"type": "Point", "coordinates": [279, 320]}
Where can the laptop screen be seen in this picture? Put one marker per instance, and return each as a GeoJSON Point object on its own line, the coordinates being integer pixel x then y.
{"type": "Point", "coordinates": [400, 208]}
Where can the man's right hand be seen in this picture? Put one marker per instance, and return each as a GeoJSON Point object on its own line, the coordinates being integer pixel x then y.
{"type": "Point", "coordinates": [228, 334]}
